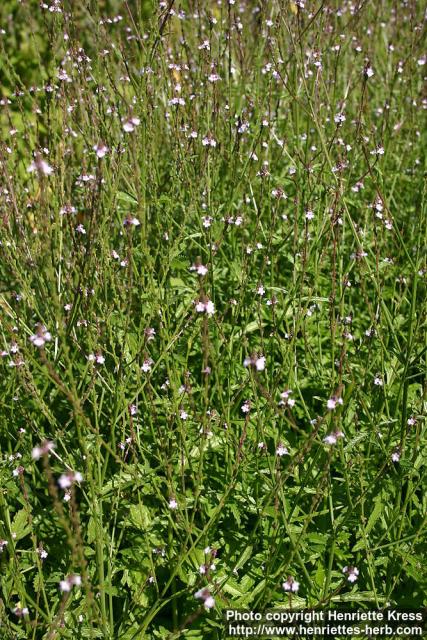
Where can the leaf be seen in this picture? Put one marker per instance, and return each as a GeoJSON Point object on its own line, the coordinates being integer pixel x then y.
{"type": "Point", "coordinates": [20, 527]}
{"type": "Point", "coordinates": [244, 557]}
{"type": "Point", "coordinates": [235, 511]}
{"type": "Point", "coordinates": [128, 198]}
{"type": "Point", "coordinates": [375, 514]}
{"type": "Point", "coordinates": [232, 587]}
{"type": "Point", "coordinates": [140, 516]}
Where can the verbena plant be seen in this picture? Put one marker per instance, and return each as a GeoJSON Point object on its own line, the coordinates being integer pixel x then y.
{"type": "Point", "coordinates": [212, 288]}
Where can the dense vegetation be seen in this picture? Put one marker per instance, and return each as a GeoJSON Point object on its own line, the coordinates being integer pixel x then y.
{"type": "Point", "coordinates": [212, 296]}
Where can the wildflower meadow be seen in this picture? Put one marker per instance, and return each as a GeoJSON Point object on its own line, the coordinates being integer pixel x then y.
{"type": "Point", "coordinates": [212, 313]}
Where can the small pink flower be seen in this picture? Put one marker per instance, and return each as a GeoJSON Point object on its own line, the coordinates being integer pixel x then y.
{"type": "Point", "coordinates": [205, 595]}
{"type": "Point", "coordinates": [41, 336]}
{"type": "Point", "coordinates": [66, 480]}
{"type": "Point", "coordinates": [69, 582]}
{"type": "Point", "coordinates": [146, 366]}
{"type": "Point", "coordinates": [333, 401]}
{"type": "Point", "coordinates": [395, 456]}
{"type": "Point", "coordinates": [352, 573]}
{"type": "Point", "coordinates": [42, 450]}
{"type": "Point", "coordinates": [206, 306]}
{"type": "Point", "coordinates": [246, 406]}
{"type": "Point", "coordinates": [200, 269]}
{"type": "Point", "coordinates": [100, 149]}
{"type": "Point", "coordinates": [258, 362]}
{"type": "Point", "coordinates": [286, 399]}
{"type": "Point", "coordinates": [332, 438]}
{"type": "Point", "coordinates": [281, 450]}
{"type": "Point", "coordinates": [40, 166]}
{"type": "Point", "coordinates": [130, 123]}
{"type": "Point", "coordinates": [290, 585]}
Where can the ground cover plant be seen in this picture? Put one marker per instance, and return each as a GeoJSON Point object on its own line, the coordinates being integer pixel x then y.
{"type": "Point", "coordinates": [212, 297]}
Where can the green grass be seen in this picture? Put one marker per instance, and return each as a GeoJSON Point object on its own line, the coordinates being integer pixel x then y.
{"type": "Point", "coordinates": [309, 214]}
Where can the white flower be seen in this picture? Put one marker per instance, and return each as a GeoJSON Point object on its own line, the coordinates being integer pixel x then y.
{"type": "Point", "coordinates": [42, 336]}
{"type": "Point", "coordinates": [146, 366]}
{"type": "Point", "coordinates": [369, 72]}
{"type": "Point", "coordinates": [65, 586]}
{"type": "Point", "coordinates": [42, 450]}
{"type": "Point", "coordinates": [40, 166]}
{"type": "Point", "coordinates": [286, 400]}
{"type": "Point", "coordinates": [100, 149]}
{"type": "Point", "coordinates": [290, 585]}
{"type": "Point", "coordinates": [207, 307]}
{"type": "Point", "coordinates": [245, 406]}
{"type": "Point", "coordinates": [352, 573]}
{"type": "Point", "coordinates": [3, 544]}
{"type": "Point", "coordinates": [132, 221]}
{"type": "Point", "coordinates": [130, 124]}
{"type": "Point", "coordinates": [282, 450]}
{"type": "Point", "coordinates": [333, 401]}
{"type": "Point", "coordinates": [208, 141]}
{"type": "Point", "coordinates": [70, 581]}
{"type": "Point", "coordinates": [199, 268]}
{"type": "Point", "coordinates": [395, 456]}
{"type": "Point", "coordinates": [260, 363]}
{"type": "Point", "coordinates": [173, 504]}
{"type": "Point", "coordinates": [205, 595]}
{"type": "Point", "coordinates": [67, 479]}
{"type": "Point", "coordinates": [207, 221]}
{"type": "Point", "coordinates": [332, 438]}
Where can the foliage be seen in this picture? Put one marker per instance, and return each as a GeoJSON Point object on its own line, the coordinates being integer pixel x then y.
{"type": "Point", "coordinates": [276, 433]}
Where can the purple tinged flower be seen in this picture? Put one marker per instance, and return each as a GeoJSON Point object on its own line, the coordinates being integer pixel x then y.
{"type": "Point", "coordinates": [290, 585]}
{"type": "Point", "coordinates": [200, 269]}
{"type": "Point", "coordinates": [40, 166]}
{"type": "Point", "coordinates": [42, 450]}
{"type": "Point", "coordinates": [207, 221]}
{"type": "Point", "coordinates": [66, 480]}
{"type": "Point", "coordinates": [332, 438]}
{"type": "Point", "coordinates": [100, 149]}
{"type": "Point", "coordinates": [352, 573]}
{"type": "Point", "coordinates": [131, 221]}
{"type": "Point", "coordinates": [246, 406]}
{"type": "Point", "coordinates": [130, 123]}
{"type": "Point", "coordinates": [41, 336]}
{"type": "Point", "coordinates": [286, 400]}
{"type": "Point", "coordinates": [205, 595]}
{"type": "Point", "coordinates": [206, 306]}
{"type": "Point", "coordinates": [281, 450]}
{"type": "Point", "coordinates": [146, 366]}
{"type": "Point", "coordinates": [258, 362]}
{"type": "Point", "coordinates": [395, 456]}
{"type": "Point", "coordinates": [69, 582]}
{"type": "Point", "coordinates": [333, 402]}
